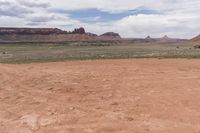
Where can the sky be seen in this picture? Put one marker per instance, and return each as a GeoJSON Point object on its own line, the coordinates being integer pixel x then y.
{"type": "Point", "coordinates": [129, 18]}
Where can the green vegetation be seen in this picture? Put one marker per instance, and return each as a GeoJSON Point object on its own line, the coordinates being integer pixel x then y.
{"type": "Point", "coordinates": [38, 52]}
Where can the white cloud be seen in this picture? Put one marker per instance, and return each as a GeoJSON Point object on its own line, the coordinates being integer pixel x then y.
{"type": "Point", "coordinates": [178, 18]}
{"type": "Point", "coordinates": [159, 25]}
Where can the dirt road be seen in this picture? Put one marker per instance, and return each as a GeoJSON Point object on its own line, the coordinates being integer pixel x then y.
{"type": "Point", "coordinates": [104, 96]}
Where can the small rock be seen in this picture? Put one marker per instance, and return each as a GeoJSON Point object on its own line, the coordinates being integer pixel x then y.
{"type": "Point", "coordinates": [50, 89]}
{"type": "Point", "coordinates": [130, 118]}
{"type": "Point", "coordinates": [72, 108]}
{"type": "Point", "coordinates": [31, 121]}
{"type": "Point", "coordinates": [51, 111]}
{"type": "Point", "coordinates": [114, 103]}
{"type": "Point", "coordinates": [47, 121]}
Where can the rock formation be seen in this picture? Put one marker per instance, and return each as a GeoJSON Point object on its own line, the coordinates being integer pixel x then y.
{"type": "Point", "coordinates": [165, 37]}
{"type": "Point", "coordinates": [148, 37]}
{"type": "Point", "coordinates": [38, 31]}
{"type": "Point", "coordinates": [91, 34]}
{"type": "Point", "coordinates": [31, 31]}
{"type": "Point", "coordinates": [51, 35]}
{"type": "Point", "coordinates": [196, 39]}
{"type": "Point", "coordinates": [111, 34]}
{"type": "Point", "coordinates": [79, 31]}
{"type": "Point", "coordinates": [197, 46]}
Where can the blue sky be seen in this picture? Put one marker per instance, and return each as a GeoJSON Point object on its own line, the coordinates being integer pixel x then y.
{"type": "Point", "coordinates": [93, 15]}
{"type": "Point", "coordinates": [130, 18]}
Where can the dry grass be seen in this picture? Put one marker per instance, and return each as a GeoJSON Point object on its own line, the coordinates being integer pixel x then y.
{"type": "Point", "coordinates": [36, 52]}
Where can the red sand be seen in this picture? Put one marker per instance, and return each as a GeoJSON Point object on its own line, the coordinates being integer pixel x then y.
{"type": "Point", "coordinates": [103, 96]}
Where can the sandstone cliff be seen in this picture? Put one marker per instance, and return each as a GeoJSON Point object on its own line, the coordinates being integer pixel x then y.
{"type": "Point", "coordinates": [196, 39]}
{"type": "Point", "coordinates": [51, 35]}
{"type": "Point", "coordinates": [111, 34]}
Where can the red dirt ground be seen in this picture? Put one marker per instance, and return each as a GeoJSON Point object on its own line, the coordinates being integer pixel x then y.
{"type": "Point", "coordinates": [103, 96]}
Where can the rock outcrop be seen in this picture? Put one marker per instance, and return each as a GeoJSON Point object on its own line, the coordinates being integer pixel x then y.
{"type": "Point", "coordinates": [91, 34]}
{"type": "Point", "coordinates": [167, 39]}
{"type": "Point", "coordinates": [31, 31]}
{"type": "Point", "coordinates": [196, 39]}
{"type": "Point", "coordinates": [164, 39]}
{"type": "Point", "coordinates": [42, 35]}
{"type": "Point", "coordinates": [38, 31]}
{"type": "Point", "coordinates": [111, 34]}
{"type": "Point", "coordinates": [197, 46]}
{"type": "Point", "coordinates": [148, 37]}
{"type": "Point", "coordinates": [79, 31]}
{"type": "Point", "coordinates": [51, 35]}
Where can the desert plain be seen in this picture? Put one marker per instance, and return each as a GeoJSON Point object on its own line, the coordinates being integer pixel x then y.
{"type": "Point", "coordinates": [101, 96]}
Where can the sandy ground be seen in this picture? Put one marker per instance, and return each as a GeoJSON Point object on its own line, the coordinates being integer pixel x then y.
{"type": "Point", "coordinates": [108, 96]}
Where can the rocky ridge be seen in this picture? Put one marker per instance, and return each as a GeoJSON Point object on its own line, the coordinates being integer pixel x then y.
{"type": "Point", "coordinates": [51, 35]}
{"type": "Point", "coordinates": [196, 39]}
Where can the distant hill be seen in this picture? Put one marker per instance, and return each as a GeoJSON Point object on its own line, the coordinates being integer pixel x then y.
{"type": "Point", "coordinates": [164, 39]}
{"type": "Point", "coordinates": [79, 34]}
{"type": "Point", "coordinates": [196, 39]}
{"type": "Point", "coordinates": [149, 39]}
{"type": "Point", "coordinates": [111, 34]}
{"type": "Point", "coordinates": [51, 35]}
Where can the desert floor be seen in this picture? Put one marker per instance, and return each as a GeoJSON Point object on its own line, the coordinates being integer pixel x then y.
{"type": "Point", "coordinates": [101, 96]}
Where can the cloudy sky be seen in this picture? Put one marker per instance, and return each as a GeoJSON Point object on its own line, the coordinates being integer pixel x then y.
{"type": "Point", "coordinates": [130, 18]}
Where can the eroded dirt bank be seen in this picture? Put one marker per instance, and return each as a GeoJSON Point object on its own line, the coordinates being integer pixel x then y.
{"type": "Point", "coordinates": [103, 96]}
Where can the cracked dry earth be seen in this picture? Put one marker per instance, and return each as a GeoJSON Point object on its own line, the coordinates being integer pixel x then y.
{"type": "Point", "coordinates": [102, 96]}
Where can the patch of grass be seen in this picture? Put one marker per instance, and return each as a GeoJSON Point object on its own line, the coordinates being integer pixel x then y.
{"type": "Point", "coordinates": [39, 52]}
